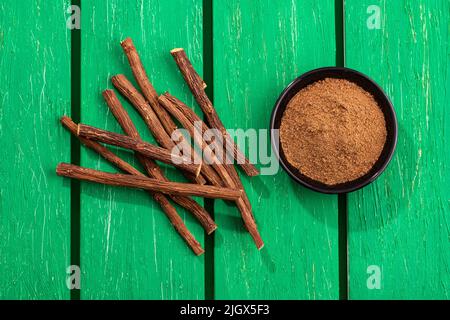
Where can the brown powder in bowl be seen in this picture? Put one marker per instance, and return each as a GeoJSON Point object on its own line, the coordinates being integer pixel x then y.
{"type": "Point", "coordinates": [333, 131]}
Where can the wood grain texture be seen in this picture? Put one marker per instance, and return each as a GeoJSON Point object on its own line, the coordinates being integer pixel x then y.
{"type": "Point", "coordinates": [259, 47]}
{"type": "Point", "coordinates": [401, 222]}
{"type": "Point", "coordinates": [34, 202]}
{"type": "Point", "coordinates": [129, 249]}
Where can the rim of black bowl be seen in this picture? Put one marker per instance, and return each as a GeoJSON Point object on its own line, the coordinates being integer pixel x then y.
{"type": "Point", "coordinates": [366, 83]}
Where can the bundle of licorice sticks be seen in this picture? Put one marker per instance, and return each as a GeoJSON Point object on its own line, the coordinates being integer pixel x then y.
{"type": "Point", "coordinates": [210, 175]}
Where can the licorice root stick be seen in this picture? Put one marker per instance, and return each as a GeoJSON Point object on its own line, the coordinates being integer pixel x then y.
{"type": "Point", "coordinates": [152, 169]}
{"type": "Point", "coordinates": [167, 208]}
{"type": "Point", "coordinates": [192, 79]}
{"type": "Point", "coordinates": [146, 149]}
{"type": "Point", "coordinates": [138, 182]}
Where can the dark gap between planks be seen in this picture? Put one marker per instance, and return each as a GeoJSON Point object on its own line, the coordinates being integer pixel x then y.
{"type": "Point", "coordinates": [339, 13]}
{"type": "Point", "coordinates": [208, 76]}
{"type": "Point", "coordinates": [75, 111]}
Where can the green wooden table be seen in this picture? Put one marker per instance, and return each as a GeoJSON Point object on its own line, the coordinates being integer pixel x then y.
{"type": "Point", "coordinates": [397, 243]}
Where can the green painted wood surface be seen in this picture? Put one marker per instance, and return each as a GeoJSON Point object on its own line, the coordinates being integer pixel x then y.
{"type": "Point", "coordinates": [128, 247]}
{"type": "Point", "coordinates": [34, 202]}
{"type": "Point", "coordinates": [259, 47]}
{"type": "Point", "coordinates": [401, 222]}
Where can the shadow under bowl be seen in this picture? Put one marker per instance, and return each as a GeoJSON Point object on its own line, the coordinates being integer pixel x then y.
{"type": "Point", "coordinates": [364, 82]}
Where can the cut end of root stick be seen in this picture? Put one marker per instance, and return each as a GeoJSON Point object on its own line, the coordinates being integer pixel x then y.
{"type": "Point", "coordinates": [258, 241]}
{"type": "Point", "coordinates": [64, 119]}
{"type": "Point", "coordinates": [62, 168]}
{"type": "Point", "coordinates": [126, 40]}
{"type": "Point", "coordinates": [197, 173]}
{"type": "Point", "coordinates": [214, 228]}
{"type": "Point", "coordinates": [250, 170]}
{"type": "Point", "coordinates": [69, 124]}
{"type": "Point", "coordinates": [199, 252]}
{"type": "Point", "coordinates": [174, 50]}
{"type": "Point", "coordinates": [127, 44]}
{"type": "Point", "coordinates": [107, 93]}
{"type": "Point", "coordinates": [117, 79]}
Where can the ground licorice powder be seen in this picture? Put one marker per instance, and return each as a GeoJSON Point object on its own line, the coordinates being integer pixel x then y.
{"type": "Point", "coordinates": [332, 131]}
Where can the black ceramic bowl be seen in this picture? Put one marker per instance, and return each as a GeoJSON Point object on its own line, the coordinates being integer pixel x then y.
{"type": "Point", "coordinates": [366, 83]}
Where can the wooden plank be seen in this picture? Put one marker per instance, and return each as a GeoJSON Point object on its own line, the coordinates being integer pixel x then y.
{"type": "Point", "coordinates": [128, 247]}
{"type": "Point", "coordinates": [34, 202]}
{"type": "Point", "coordinates": [259, 47]}
{"type": "Point", "coordinates": [400, 223]}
